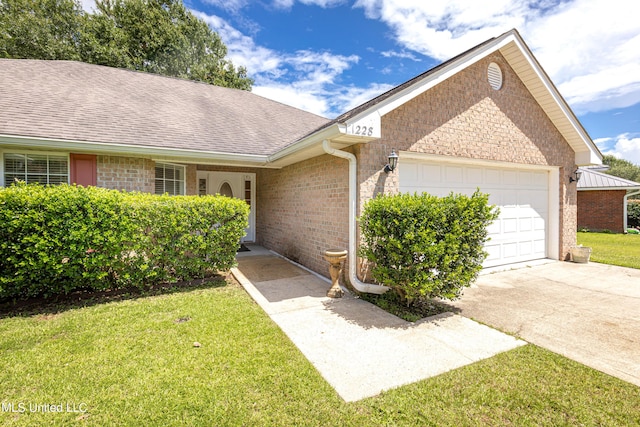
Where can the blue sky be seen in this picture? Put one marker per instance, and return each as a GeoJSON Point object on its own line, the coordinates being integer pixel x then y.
{"type": "Point", "coordinates": [328, 56]}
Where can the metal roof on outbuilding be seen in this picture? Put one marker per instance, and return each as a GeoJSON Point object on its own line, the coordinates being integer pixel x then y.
{"type": "Point", "coordinates": [594, 180]}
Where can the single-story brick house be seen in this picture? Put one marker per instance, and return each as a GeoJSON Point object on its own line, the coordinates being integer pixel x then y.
{"type": "Point", "coordinates": [488, 118]}
{"type": "Point", "coordinates": [602, 200]}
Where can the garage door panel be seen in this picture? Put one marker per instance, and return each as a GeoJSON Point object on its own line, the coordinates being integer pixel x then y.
{"type": "Point", "coordinates": [526, 224]}
{"type": "Point", "coordinates": [519, 234]}
{"type": "Point", "coordinates": [411, 172]}
{"type": "Point", "coordinates": [526, 248]}
{"type": "Point", "coordinates": [454, 175]}
{"type": "Point", "coordinates": [539, 224]}
{"type": "Point", "coordinates": [475, 176]}
{"type": "Point", "coordinates": [509, 250]}
{"type": "Point", "coordinates": [492, 177]}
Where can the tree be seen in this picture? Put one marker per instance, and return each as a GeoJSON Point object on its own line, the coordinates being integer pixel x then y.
{"type": "Point", "coordinates": [40, 29]}
{"type": "Point", "coordinates": [156, 36]}
{"type": "Point", "coordinates": [159, 36]}
{"type": "Point", "coordinates": [622, 168]}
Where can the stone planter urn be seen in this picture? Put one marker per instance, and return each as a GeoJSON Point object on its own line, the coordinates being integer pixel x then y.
{"type": "Point", "coordinates": [335, 258]}
{"type": "Point", "coordinates": [580, 254]}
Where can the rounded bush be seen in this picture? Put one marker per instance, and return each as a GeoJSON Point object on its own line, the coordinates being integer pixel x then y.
{"type": "Point", "coordinates": [426, 246]}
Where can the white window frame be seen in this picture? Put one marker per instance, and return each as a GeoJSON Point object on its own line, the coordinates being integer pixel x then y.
{"type": "Point", "coordinates": [27, 152]}
{"type": "Point", "coordinates": [175, 165]}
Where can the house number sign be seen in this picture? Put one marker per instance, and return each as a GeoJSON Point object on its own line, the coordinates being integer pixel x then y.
{"type": "Point", "coordinates": [362, 130]}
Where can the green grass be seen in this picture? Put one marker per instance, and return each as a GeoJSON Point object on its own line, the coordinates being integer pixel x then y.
{"type": "Point", "coordinates": [132, 362]}
{"type": "Point", "coordinates": [614, 249]}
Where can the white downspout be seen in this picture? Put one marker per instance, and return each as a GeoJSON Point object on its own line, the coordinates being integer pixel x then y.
{"type": "Point", "coordinates": [626, 199]}
{"type": "Point", "coordinates": [353, 192]}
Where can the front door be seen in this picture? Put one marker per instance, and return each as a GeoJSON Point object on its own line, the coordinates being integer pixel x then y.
{"type": "Point", "coordinates": [232, 184]}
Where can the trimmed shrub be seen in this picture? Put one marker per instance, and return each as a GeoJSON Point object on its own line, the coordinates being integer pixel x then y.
{"type": "Point", "coordinates": [423, 246]}
{"type": "Point", "coordinates": [633, 213]}
{"type": "Point", "coordinates": [58, 239]}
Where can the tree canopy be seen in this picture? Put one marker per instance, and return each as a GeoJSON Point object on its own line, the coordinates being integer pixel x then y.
{"type": "Point", "coordinates": [156, 36]}
{"type": "Point", "coordinates": [621, 168]}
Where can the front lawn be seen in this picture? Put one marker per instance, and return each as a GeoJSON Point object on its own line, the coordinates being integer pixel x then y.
{"type": "Point", "coordinates": [614, 249]}
{"type": "Point", "coordinates": [133, 362]}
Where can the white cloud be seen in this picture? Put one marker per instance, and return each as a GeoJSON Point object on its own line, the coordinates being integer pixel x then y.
{"type": "Point", "coordinates": [230, 5]}
{"type": "Point", "coordinates": [286, 4]}
{"type": "Point", "coordinates": [442, 29]}
{"type": "Point", "coordinates": [305, 79]}
{"type": "Point", "coordinates": [590, 48]}
{"type": "Point", "coordinates": [401, 55]}
{"type": "Point", "coordinates": [625, 146]}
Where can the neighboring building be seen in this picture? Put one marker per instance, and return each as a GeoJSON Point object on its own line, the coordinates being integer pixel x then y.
{"type": "Point", "coordinates": [488, 118]}
{"type": "Point", "coordinates": [602, 200]}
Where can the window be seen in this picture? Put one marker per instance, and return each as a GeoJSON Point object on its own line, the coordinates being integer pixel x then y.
{"type": "Point", "coordinates": [42, 168]}
{"type": "Point", "coordinates": [169, 179]}
{"type": "Point", "coordinates": [225, 190]}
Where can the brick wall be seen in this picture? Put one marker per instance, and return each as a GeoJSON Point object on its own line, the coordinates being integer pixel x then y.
{"type": "Point", "coordinates": [601, 210]}
{"type": "Point", "coordinates": [135, 174]}
{"type": "Point", "coordinates": [302, 210]}
{"type": "Point", "coordinates": [465, 117]}
{"type": "Point", "coordinates": [126, 173]}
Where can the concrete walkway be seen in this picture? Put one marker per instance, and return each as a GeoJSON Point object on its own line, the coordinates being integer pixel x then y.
{"type": "Point", "coordinates": [358, 348]}
{"type": "Point", "coordinates": [587, 312]}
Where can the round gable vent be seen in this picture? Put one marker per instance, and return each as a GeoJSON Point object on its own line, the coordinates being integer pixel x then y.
{"type": "Point", "coordinates": [494, 74]}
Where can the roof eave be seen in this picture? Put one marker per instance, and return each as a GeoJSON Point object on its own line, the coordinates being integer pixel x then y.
{"type": "Point", "coordinates": [340, 134]}
{"type": "Point", "coordinates": [609, 188]}
{"type": "Point", "coordinates": [531, 73]}
{"type": "Point", "coordinates": [157, 153]}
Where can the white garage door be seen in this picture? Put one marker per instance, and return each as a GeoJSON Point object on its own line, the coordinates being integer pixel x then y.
{"type": "Point", "coordinates": [519, 234]}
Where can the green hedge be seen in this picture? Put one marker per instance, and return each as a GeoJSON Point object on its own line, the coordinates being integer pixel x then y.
{"type": "Point", "coordinates": [426, 246]}
{"type": "Point", "coordinates": [633, 213]}
{"type": "Point", "coordinates": [58, 239]}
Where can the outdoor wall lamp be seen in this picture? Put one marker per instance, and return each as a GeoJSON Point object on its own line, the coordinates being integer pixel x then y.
{"type": "Point", "coordinates": [393, 162]}
{"type": "Point", "coordinates": [577, 174]}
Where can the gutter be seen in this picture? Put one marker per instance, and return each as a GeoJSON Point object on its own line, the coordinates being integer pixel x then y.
{"type": "Point", "coordinates": [182, 155]}
{"type": "Point", "coordinates": [353, 276]}
{"type": "Point", "coordinates": [626, 198]}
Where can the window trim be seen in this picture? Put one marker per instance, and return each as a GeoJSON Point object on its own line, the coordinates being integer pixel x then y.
{"type": "Point", "coordinates": [175, 165]}
{"type": "Point", "coordinates": [5, 151]}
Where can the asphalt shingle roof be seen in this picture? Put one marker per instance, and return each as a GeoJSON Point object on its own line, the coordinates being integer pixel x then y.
{"type": "Point", "coordinates": [81, 102]}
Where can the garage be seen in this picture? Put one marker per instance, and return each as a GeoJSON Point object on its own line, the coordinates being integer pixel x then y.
{"type": "Point", "coordinates": [521, 232]}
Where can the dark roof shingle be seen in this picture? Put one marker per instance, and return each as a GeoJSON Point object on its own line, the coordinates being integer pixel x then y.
{"type": "Point", "coordinates": [81, 102]}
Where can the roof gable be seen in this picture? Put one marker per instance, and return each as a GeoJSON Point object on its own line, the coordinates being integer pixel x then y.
{"type": "Point", "coordinates": [521, 60]}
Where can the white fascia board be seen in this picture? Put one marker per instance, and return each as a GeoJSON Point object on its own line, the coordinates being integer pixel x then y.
{"type": "Point", "coordinates": [330, 132]}
{"type": "Point", "coordinates": [194, 156]}
{"type": "Point", "coordinates": [587, 158]}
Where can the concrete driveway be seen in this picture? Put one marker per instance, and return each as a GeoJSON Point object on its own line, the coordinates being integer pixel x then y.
{"type": "Point", "coordinates": [587, 312]}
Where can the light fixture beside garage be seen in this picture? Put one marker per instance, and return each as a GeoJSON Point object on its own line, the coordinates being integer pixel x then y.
{"type": "Point", "coordinates": [393, 162]}
{"type": "Point", "coordinates": [575, 176]}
